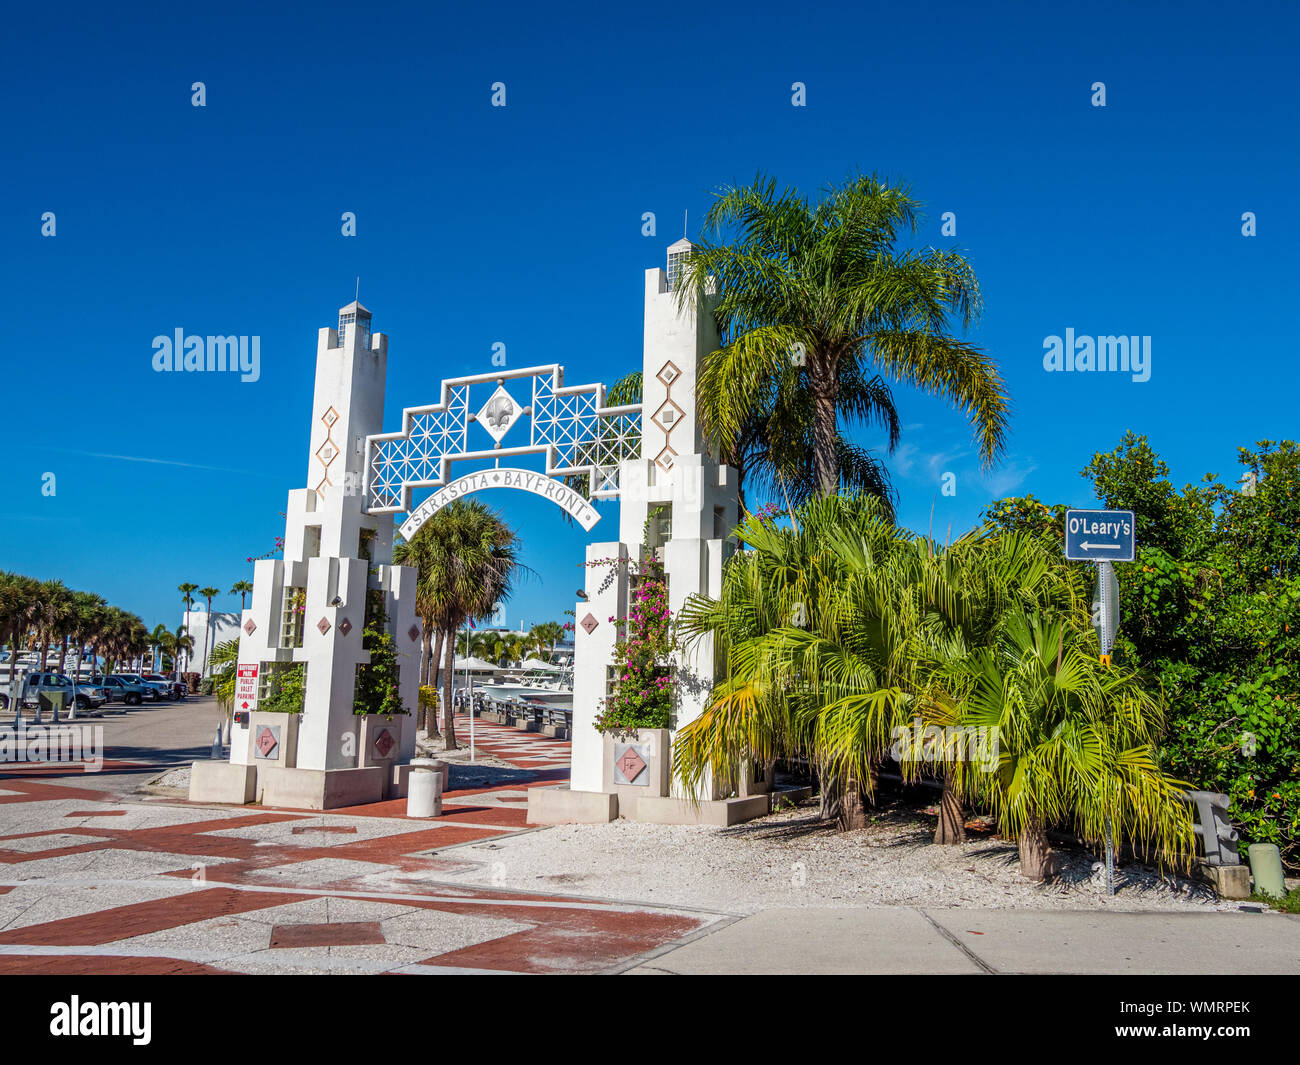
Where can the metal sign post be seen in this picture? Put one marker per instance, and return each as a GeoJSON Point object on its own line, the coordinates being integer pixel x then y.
{"type": "Point", "coordinates": [1103, 537]}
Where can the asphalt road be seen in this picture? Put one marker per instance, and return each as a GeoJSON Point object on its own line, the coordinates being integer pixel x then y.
{"type": "Point", "coordinates": [153, 737]}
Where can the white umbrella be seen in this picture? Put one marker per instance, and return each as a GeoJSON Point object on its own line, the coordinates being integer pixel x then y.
{"type": "Point", "coordinates": [474, 665]}
{"type": "Point", "coordinates": [534, 665]}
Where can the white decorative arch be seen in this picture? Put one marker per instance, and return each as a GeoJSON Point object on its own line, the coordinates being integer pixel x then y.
{"type": "Point", "coordinates": [571, 427]}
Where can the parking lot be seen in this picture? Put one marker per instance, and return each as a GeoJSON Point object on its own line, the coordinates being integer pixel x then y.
{"type": "Point", "coordinates": [145, 740]}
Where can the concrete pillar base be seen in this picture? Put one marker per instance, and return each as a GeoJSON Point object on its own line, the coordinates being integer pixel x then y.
{"type": "Point", "coordinates": [669, 811]}
{"type": "Point", "coordinates": [1228, 881]}
{"type": "Point", "coordinates": [560, 806]}
{"type": "Point", "coordinates": [223, 782]}
{"type": "Point", "coordinates": [323, 789]}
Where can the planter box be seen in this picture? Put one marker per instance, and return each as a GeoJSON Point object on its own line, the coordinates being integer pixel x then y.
{"type": "Point", "coordinates": [635, 764]}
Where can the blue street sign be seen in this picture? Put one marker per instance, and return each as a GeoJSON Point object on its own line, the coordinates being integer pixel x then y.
{"type": "Point", "coordinates": [1100, 535]}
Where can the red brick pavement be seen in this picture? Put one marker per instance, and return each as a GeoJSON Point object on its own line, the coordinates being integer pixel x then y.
{"type": "Point", "coordinates": [563, 934]}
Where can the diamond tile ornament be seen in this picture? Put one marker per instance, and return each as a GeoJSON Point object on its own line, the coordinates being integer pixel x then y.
{"type": "Point", "coordinates": [384, 743]}
{"type": "Point", "coordinates": [589, 624]}
{"type": "Point", "coordinates": [330, 417]}
{"type": "Point", "coordinates": [668, 373]}
{"type": "Point", "coordinates": [326, 452]}
{"type": "Point", "coordinates": [268, 739]}
{"type": "Point", "coordinates": [664, 460]}
{"type": "Point", "coordinates": [630, 764]}
{"type": "Point", "coordinates": [250, 626]}
{"type": "Point", "coordinates": [499, 413]}
{"type": "Point", "coordinates": [323, 625]}
{"type": "Point", "coordinates": [413, 632]}
{"type": "Point", "coordinates": [667, 416]}
{"type": "Point", "coordinates": [345, 626]}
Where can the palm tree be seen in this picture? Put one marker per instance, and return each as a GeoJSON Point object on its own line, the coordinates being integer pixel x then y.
{"type": "Point", "coordinates": [422, 553]}
{"type": "Point", "coordinates": [465, 557]}
{"type": "Point", "coordinates": [208, 594]}
{"type": "Point", "coordinates": [773, 449]}
{"type": "Point", "coordinates": [865, 619]}
{"type": "Point", "coordinates": [826, 288]}
{"type": "Point", "coordinates": [87, 615]}
{"type": "Point", "coordinates": [54, 613]}
{"type": "Point", "coordinates": [243, 589]}
{"type": "Point", "coordinates": [224, 658]}
{"type": "Point", "coordinates": [545, 636]}
{"type": "Point", "coordinates": [158, 640]}
{"type": "Point", "coordinates": [474, 644]}
{"type": "Point", "coordinates": [19, 610]}
{"type": "Point", "coordinates": [1078, 744]}
{"type": "Point", "coordinates": [187, 591]}
{"type": "Point", "coordinates": [775, 640]}
{"type": "Point", "coordinates": [182, 644]}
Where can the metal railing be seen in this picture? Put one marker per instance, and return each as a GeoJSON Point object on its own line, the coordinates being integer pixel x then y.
{"type": "Point", "coordinates": [538, 714]}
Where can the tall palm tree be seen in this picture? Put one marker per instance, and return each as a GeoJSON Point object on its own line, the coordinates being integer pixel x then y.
{"type": "Point", "coordinates": [773, 448]}
{"type": "Point", "coordinates": [243, 589]}
{"type": "Point", "coordinates": [19, 610]}
{"type": "Point", "coordinates": [421, 553]}
{"type": "Point", "coordinates": [828, 288]}
{"type": "Point", "coordinates": [187, 591]}
{"type": "Point", "coordinates": [87, 614]}
{"type": "Point", "coordinates": [54, 614]}
{"type": "Point", "coordinates": [209, 594]}
{"type": "Point", "coordinates": [466, 558]}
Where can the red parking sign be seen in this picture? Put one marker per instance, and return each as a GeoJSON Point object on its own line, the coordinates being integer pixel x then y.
{"type": "Point", "coordinates": [246, 687]}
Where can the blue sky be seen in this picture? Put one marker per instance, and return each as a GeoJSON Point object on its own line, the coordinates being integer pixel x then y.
{"type": "Point", "coordinates": [523, 225]}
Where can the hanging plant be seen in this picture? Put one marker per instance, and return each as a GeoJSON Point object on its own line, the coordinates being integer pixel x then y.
{"type": "Point", "coordinates": [643, 695]}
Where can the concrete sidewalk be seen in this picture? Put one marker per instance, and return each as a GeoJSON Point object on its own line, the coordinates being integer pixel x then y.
{"type": "Point", "coordinates": [907, 940]}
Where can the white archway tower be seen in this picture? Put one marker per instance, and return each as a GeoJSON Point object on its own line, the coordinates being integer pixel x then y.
{"type": "Point", "coordinates": [310, 609]}
{"type": "Point", "coordinates": [699, 497]}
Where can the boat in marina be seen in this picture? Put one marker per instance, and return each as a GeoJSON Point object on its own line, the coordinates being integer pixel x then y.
{"type": "Point", "coordinates": [532, 681]}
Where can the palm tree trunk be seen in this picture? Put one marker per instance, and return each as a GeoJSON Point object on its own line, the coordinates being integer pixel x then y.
{"type": "Point", "coordinates": [952, 821]}
{"type": "Point", "coordinates": [825, 431]}
{"type": "Point", "coordinates": [13, 665]}
{"type": "Point", "coordinates": [853, 803]}
{"type": "Point", "coordinates": [426, 652]}
{"type": "Point", "coordinates": [1036, 861]}
{"type": "Point", "coordinates": [449, 711]}
{"type": "Point", "coordinates": [435, 659]}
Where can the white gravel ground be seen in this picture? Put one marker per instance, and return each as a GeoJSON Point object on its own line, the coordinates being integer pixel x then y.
{"type": "Point", "coordinates": [792, 859]}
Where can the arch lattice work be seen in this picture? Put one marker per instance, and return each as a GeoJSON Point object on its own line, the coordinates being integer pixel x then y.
{"type": "Point", "coordinates": [571, 427]}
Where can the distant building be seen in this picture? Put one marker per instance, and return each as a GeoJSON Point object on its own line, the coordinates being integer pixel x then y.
{"type": "Point", "coordinates": [195, 623]}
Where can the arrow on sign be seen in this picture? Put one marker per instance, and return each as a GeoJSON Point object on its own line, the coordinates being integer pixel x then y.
{"type": "Point", "coordinates": [1102, 547]}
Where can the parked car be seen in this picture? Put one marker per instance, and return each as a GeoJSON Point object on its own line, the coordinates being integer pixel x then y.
{"type": "Point", "coordinates": [87, 696]}
{"type": "Point", "coordinates": [175, 689]}
{"type": "Point", "coordinates": [91, 697]}
{"type": "Point", "coordinates": [120, 690]}
{"type": "Point", "coordinates": [155, 692]}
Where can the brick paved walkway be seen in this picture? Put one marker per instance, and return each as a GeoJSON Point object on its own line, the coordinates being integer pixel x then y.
{"type": "Point", "coordinates": [92, 882]}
